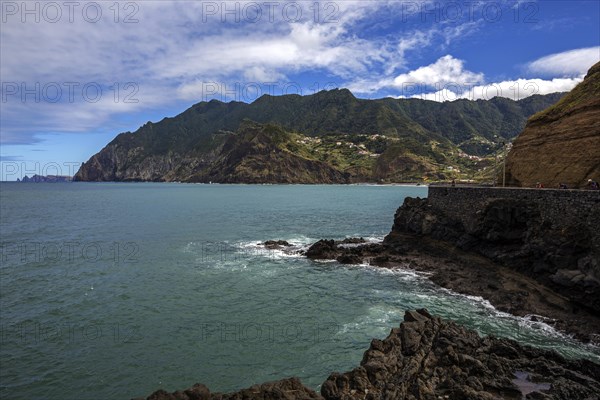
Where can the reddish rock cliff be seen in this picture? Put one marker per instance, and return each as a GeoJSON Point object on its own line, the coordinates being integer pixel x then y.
{"type": "Point", "coordinates": [560, 144]}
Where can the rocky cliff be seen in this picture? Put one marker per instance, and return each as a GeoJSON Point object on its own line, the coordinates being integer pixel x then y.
{"type": "Point", "coordinates": [516, 233]}
{"type": "Point", "coordinates": [561, 144]}
{"type": "Point", "coordinates": [362, 140]}
{"type": "Point", "coordinates": [430, 358]}
{"type": "Point", "coordinates": [256, 153]}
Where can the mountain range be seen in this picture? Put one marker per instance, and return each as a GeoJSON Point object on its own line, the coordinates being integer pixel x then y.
{"type": "Point", "coordinates": [328, 137]}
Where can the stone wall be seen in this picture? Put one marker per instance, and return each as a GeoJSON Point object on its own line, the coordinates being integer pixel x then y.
{"type": "Point", "coordinates": [561, 207]}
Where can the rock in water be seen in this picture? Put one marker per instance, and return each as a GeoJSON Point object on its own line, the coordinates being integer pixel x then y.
{"type": "Point", "coordinates": [322, 250]}
{"type": "Point", "coordinates": [276, 244]}
{"type": "Point", "coordinates": [352, 241]}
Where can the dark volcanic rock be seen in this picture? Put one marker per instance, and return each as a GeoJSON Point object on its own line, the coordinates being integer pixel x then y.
{"type": "Point", "coordinates": [323, 250]}
{"type": "Point", "coordinates": [351, 241]}
{"type": "Point", "coordinates": [511, 233]}
{"type": "Point", "coordinates": [428, 358]}
{"type": "Point", "coordinates": [331, 250]}
{"type": "Point", "coordinates": [349, 259]}
{"type": "Point", "coordinates": [285, 389]}
{"type": "Point", "coordinates": [276, 244]}
{"type": "Point", "coordinates": [510, 255]}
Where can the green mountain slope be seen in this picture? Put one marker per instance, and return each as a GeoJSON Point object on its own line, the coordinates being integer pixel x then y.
{"type": "Point", "coordinates": [362, 140]}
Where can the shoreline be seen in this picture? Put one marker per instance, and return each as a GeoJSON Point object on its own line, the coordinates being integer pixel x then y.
{"type": "Point", "coordinates": [526, 252]}
{"type": "Point", "coordinates": [506, 290]}
{"type": "Point", "coordinates": [471, 275]}
{"type": "Point", "coordinates": [404, 184]}
{"type": "Point", "coordinates": [427, 357]}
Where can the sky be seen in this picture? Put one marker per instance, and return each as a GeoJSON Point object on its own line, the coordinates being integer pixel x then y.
{"type": "Point", "coordinates": [74, 74]}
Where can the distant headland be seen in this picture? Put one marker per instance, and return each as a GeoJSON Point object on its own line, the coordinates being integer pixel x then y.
{"type": "Point", "coordinates": [45, 179]}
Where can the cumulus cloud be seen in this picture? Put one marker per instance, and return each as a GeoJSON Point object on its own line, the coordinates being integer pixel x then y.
{"type": "Point", "coordinates": [568, 63]}
{"type": "Point", "coordinates": [450, 81]}
{"type": "Point", "coordinates": [445, 70]}
{"type": "Point", "coordinates": [513, 89]}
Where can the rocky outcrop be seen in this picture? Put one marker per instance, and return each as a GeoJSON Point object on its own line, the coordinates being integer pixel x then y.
{"type": "Point", "coordinates": [527, 251]}
{"type": "Point", "coordinates": [430, 358]}
{"type": "Point", "coordinates": [512, 233]}
{"type": "Point", "coordinates": [285, 389]}
{"type": "Point", "coordinates": [335, 250]}
{"type": "Point", "coordinates": [560, 144]}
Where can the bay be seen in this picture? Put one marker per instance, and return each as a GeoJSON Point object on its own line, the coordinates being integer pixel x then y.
{"type": "Point", "coordinates": [112, 290]}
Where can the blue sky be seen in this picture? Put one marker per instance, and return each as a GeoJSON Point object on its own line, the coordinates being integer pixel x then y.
{"type": "Point", "coordinates": [74, 75]}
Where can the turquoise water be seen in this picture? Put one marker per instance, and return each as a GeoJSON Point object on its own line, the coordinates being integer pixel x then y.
{"type": "Point", "coordinates": [111, 291]}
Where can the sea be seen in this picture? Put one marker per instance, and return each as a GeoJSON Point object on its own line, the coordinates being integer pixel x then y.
{"type": "Point", "coordinates": [114, 290]}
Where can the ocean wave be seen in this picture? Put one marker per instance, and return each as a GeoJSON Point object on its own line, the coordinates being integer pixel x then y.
{"type": "Point", "coordinates": [530, 329]}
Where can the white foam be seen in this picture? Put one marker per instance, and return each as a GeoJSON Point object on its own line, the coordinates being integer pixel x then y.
{"type": "Point", "coordinates": [401, 272]}
{"type": "Point", "coordinates": [378, 316]}
{"type": "Point", "coordinates": [257, 249]}
{"type": "Point", "coordinates": [531, 323]}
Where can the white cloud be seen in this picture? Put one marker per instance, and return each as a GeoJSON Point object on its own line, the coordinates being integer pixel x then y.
{"type": "Point", "coordinates": [451, 81]}
{"type": "Point", "coordinates": [521, 88]}
{"type": "Point", "coordinates": [446, 70]}
{"type": "Point", "coordinates": [515, 89]}
{"type": "Point", "coordinates": [568, 63]}
{"type": "Point", "coordinates": [172, 50]}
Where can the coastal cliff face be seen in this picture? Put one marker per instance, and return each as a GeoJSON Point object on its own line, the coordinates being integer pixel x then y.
{"type": "Point", "coordinates": [548, 235]}
{"type": "Point", "coordinates": [255, 154]}
{"type": "Point", "coordinates": [430, 358]}
{"type": "Point", "coordinates": [344, 139]}
{"type": "Point", "coordinates": [560, 144]}
{"type": "Point", "coordinates": [118, 163]}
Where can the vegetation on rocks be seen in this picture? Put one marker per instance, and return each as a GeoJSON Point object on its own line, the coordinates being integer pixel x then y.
{"type": "Point", "coordinates": [333, 136]}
